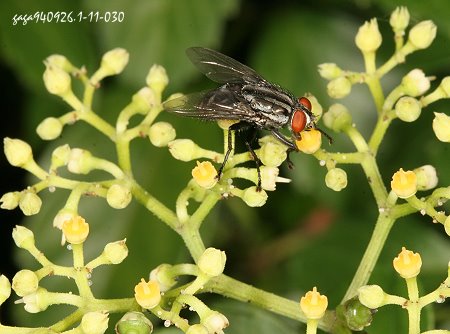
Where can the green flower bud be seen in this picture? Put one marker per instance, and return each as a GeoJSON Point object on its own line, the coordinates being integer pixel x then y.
{"type": "Point", "coordinates": [336, 179]}
{"type": "Point", "coordinates": [415, 83]}
{"type": "Point", "coordinates": [212, 262]}
{"type": "Point", "coordinates": [357, 315]}
{"type": "Point", "coordinates": [183, 149]}
{"type": "Point", "coordinates": [445, 86]}
{"type": "Point", "coordinates": [18, 153]}
{"type": "Point", "coordinates": [197, 329]}
{"type": "Point", "coordinates": [25, 282]}
{"type": "Point", "coordinates": [215, 322]}
{"type": "Point", "coordinates": [60, 156]}
{"type": "Point", "coordinates": [114, 61]}
{"type": "Point", "coordinates": [371, 296]}
{"type": "Point", "coordinates": [329, 71]}
{"type": "Point", "coordinates": [144, 99]}
{"type": "Point", "coordinates": [272, 153]}
{"type": "Point", "coordinates": [337, 118]}
{"type": "Point", "coordinates": [254, 198]}
{"type": "Point", "coordinates": [56, 80]}
{"type": "Point", "coordinates": [5, 289]}
{"type": "Point", "coordinates": [59, 61]}
{"type": "Point", "coordinates": [30, 203]}
{"type": "Point", "coordinates": [316, 107]}
{"type": "Point", "coordinates": [368, 38]}
{"type": "Point", "coordinates": [422, 34]}
{"type": "Point", "coordinates": [161, 275]}
{"type": "Point", "coordinates": [399, 20]}
{"type": "Point", "coordinates": [80, 161]}
{"type": "Point", "coordinates": [157, 79]}
{"type": "Point", "coordinates": [161, 133]}
{"type": "Point", "coordinates": [94, 322]}
{"type": "Point", "coordinates": [118, 196]}
{"type": "Point", "coordinates": [426, 177]}
{"type": "Point", "coordinates": [116, 252]}
{"type": "Point", "coordinates": [10, 200]}
{"type": "Point", "coordinates": [447, 227]}
{"type": "Point", "coordinates": [408, 109]}
{"type": "Point", "coordinates": [50, 128]}
{"type": "Point", "coordinates": [441, 127]}
{"type": "Point", "coordinates": [37, 301]}
{"type": "Point", "coordinates": [134, 323]}
{"type": "Point", "coordinates": [23, 237]}
{"type": "Point", "coordinates": [339, 88]}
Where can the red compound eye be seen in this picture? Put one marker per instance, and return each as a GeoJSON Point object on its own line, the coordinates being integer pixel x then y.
{"type": "Point", "coordinates": [305, 102]}
{"type": "Point", "coordinates": [298, 121]}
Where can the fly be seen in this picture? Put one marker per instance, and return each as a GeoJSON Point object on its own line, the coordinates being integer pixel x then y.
{"type": "Point", "coordinates": [246, 97]}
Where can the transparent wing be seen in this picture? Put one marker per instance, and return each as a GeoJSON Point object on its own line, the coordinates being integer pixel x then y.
{"type": "Point", "coordinates": [220, 68]}
{"type": "Point", "coordinates": [211, 105]}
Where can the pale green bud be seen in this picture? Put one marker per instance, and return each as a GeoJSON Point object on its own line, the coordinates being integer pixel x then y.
{"type": "Point", "coordinates": [59, 61]}
{"type": "Point", "coordinates": [183, 149]}
{"type": "Point", "coordinates": [116, 252]}
{"type": "Point", "coordinates": [50, 128]}
{"type": "Point", "coordinates": [56, 80]}
{"type": "Point", "coordinates": [118, 196]}
{"type": "Point", "coordinates": [134, 323]}
{"type": "Point", "coordinates": [10, 200]}
{"type": "Point", "coordinates": [37, 301]}
{"type": "Point", "coordinates": [426, 177]}
{"type": "Point", "coordinates": [197, 329]}
{"type": "Point", "coordinates": [114, 61]}
{"type": "Point", "coordinates": [60, 156]}
{"type": "Point", "coordinates": [161, 133]}
{"type": "Point", "coordinates": [25, 282]}
{"type": "Point", "coordinates": [316, 107]}
{"type": "Point", "coordinates": [94, 322]}
{"type": "Point", "coordinates": [212, 262]}
{"type": "Point", "coordinates": [23, 237]}
{"type": "Point", "coordinates": [329, 71]}
{"type": "Point", "coordinates": [157, 79]}
{"type": "Point", "coordinates": [80, 161]}
{"type": "Point", "coordinates": [422, 34]}
{"type": "Point", "coordinates": [408, 109]}
{"type": "Point", "coordinates": [447, 228]}
{"type": "Point", "coordinates": [337, 118]}
{"type": "Point", "coordinates": [144, 99]}
{"type": "Point", "coordinates": [30, 203]}
{"type": "Point", "coordinates": [18, 153]}
{"type": "Point", "coordinates": [399, 19]}
{"type": "Point", "coordinates": [161, 275]}
{"type": "Point", "coordinates": [215, 322]}
{"type": "Point", "coordinates": [5, 289]}
{"type": "Point", "coordinates": [336, 179]}
{"type": "Point", "coordinates": [254, 198]}
{"type": "Point", "coordinates": [272, 153]}
{"type": "Point", "coordinates": [441, 127]}
{"type": "Point", "coordinates": [445, 86]}
{"type": "Point", "coordinates": [368, 38]}
{"type": "Point", "coordinates": [339, 88]}
{"type": "Point", "coordinates": [371, 296]}
{"type": "Point", "coordinates": [415, 83]}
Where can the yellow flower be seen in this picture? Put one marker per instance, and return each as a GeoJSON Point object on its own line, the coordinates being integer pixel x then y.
{"type": "Point", "coordinates": [313, 304]}
{"type": "Point", "coordinates": [404, 184]}
{"type": "Point", "coordinates": [310, 141]}
{"type": "Point", "coordinates": [205, 174]}
{"type": "Point", "coordinates": [75, 230]}
{"type": "Point", "coordinates": [407, 263]}
{"type": "Point", "coordinates": [147, 294]}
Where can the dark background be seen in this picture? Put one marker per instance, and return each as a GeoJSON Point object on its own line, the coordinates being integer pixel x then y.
{"type": "Point", "coordinates": [306, 235]}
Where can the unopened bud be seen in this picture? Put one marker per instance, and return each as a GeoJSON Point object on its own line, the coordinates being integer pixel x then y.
{"type": "Point", "coordinates": [25, 282]}
{"type": "Point", "coordinates": [368, 38]}
{"type": "Point", "coordinates": [80, 161]}
{"type": "Point", "coordinates": [399, 20]}
{"type": "Point", "coordinates": [415, 83]}
{"type": "Point", "coordinates": [422, 34]}
{"type": "Point", "coordinates": [408, 109]}
{"type": "Point", "coordinates": [30, 203]}
{"type": "Point", "coordinates": [254, 198]}
{"type": "Point", "coordinates": [114, 61]}
{"type": "Point", "coordinates": [183, 149]}
{"type": "Point", "coordinates": [23, 237]}
{"type": "Point", "coordinates": [336, 179]}
{"type": "Point", "coordinates": [10, 201]}
{"type": "Point", "coordinates": [339, 88]}
{"type": "Point", "coordinates": [157, 79]}
{"type": "Point", "coordinates": [371, 296]}
{"type": "Point", "coordinates": [161, 133]}
{"type": "Point", "coordinates": [329, 71]}
{"type": "Point", "coordinates": [116, 252]}
{"type": "Point", "coordinates": [18, 153]}
{"type": "Point", "coordinates": [441, 127]}
{"type": "Point", "coordinates": [144, 99]}
{"type": "Point", "coordinates": [50, 128]}
{"type": "Point", "coordinates": [5, 289]}
{"type": "Point", "coordinates": [426, 177]}
{"type": "Point", "coordinates": [94, 322]}
{"type": "Point", "coordinates": [60, 156]}
{"type": "Point", "coordinates": [56, 80]}
{"type": "Point", "coordinates": [337, 118]}
{"type": "Point", "coordinates": [118, 196]}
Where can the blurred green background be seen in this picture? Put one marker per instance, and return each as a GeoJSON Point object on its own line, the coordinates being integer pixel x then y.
{"type": "Point", "coordinates": [306, 235]}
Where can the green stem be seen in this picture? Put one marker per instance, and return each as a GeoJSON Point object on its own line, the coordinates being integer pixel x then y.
{"type": "Point", "coordinates": [413, 306]}
{"type": "Point", "coordinates": [370, 257]}
{"type": "Point", "coordinates": [235, 289]}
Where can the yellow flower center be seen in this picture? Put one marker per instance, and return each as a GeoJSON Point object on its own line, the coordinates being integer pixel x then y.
{"type": "Point", "coordinates": [404, 184]}
{"type": "Point", "coordinates": [407, 263]}
{"type": "Point", "coordinates": [310, 141]}
{"type": "Point", "coordinates": [313, 304]}
{"type": "Point", "coordinates": [147, 294]}
{"type": "Point", "coordinates": [205, 174]}
{"type": "Point", "coordinates": [75, 230]}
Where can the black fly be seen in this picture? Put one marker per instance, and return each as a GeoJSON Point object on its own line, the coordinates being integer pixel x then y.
{"type": "Point", "coordinates": [245, 97]}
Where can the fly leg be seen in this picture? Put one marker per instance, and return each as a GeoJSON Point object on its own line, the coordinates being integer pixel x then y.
{"type": "Point", "coordinates": [257, 162]}
{"type": "Point", "coordinates": [227, 154]}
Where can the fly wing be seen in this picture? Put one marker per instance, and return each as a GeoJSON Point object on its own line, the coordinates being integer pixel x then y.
{"type": "Point", "coordinates": [220, 68]}
{"type": "Point", "coordinates": [211, 105]}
